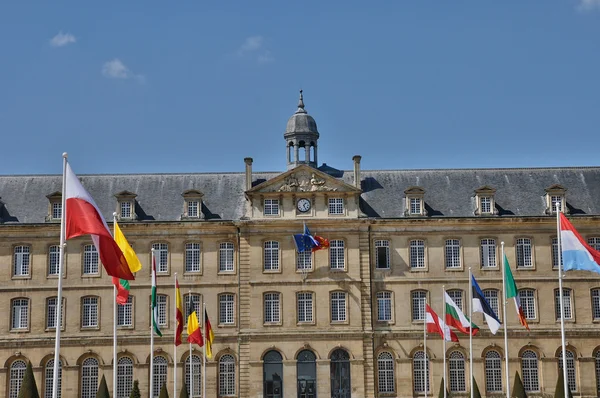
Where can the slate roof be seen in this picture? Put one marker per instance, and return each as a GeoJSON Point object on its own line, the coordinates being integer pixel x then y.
{"type": "Point", "coordinates": [448, 192]}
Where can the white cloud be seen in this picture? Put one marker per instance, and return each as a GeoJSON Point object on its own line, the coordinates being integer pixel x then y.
{"type": "Point", "coordinates": [253, 47]}
{"type": "Point", "coordinates": [62, 39]}
{"type": "Point", "coordinates": [116, 69]}
{"type": "Point", "coordinates": [588, 5]}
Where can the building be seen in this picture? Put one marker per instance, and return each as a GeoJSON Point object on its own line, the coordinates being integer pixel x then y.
{"type": "Point", "coordinates": [342, 322]}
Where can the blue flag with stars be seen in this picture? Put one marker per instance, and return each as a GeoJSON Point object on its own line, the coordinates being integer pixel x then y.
{"type": "Point", "coordinates": [305, 241]}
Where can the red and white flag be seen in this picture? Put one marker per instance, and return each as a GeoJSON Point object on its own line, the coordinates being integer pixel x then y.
{"type": "Point", "coordinates": [436, 325]}
{"type": "Point", "coordinates": [84, 218]}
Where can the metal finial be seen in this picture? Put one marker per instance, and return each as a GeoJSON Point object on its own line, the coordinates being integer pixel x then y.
{"type": "Point", "coordinates": [301, 104]}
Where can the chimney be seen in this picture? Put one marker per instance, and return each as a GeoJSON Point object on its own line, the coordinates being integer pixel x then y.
{"type": "Point", "coordinates": [248, 162]}
{"type": "Point", "coordinates": [356, 159]}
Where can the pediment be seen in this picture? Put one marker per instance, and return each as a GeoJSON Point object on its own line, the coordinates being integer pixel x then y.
{"type": "Point", "coordinates": [54, 195]}
{"type": "Point", "coordinates": [414, 191]}
{"type": "Point", "coordinates": [303, 179]}
{"type": "Point", "coordinates": [192, 193]}
{"type": "Point", "coordinates": [556, 188]}
{"type": "Point", "coordinates": [485, 190]}
{"type": "Point", "coordinates": [125, 195]}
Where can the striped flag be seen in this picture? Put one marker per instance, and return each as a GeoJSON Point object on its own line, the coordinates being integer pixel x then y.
{"type": "Point", "coordinates": [132, 261]}
{"type": "Point", "coordinates": [210, 336]}
{"type": "Point", "coordinates": [154, 304]}
{"type": "Point", "coordinates": [179, 314]}
{"type": "Point", "coordinates": [512, 292]}
{"type": "Point", "coordinates": [456, 318]}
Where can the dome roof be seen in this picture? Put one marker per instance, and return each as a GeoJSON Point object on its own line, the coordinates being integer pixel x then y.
{"type": "Point", "coordinates": [301, 122]}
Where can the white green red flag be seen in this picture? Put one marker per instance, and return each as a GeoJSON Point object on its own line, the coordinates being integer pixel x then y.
{"type": "Point", "coordinates": [456, 319]}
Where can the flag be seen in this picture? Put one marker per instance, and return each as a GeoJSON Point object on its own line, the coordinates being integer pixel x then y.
{"type": "Point", "coordinates": [209, 335]}
{"type": "Point", "coordinates": [456, 318]}
{"type": "Point", "coordinates": [322, 243]}
{"type": "Point", "coordinates": [178, 314]}
{"type": "Point", "coordinates": [577, 255]}
{"type": "Point", "coordinates": [132, 261]}
{"type": "Point", "coordinates": [435, 325]}
{"type": "Point", "coordinates": [193, 329]}
{"type": "Point", "coordinates": [154, 305]}
{"type": "Point", "coordinates": [304, 241]}
{"type": "Point", "coordinates": [512, 292]}
{"type": "Point", "coordinates": [480, 304]}
{"type": "Point", "coordinates": [83, 217]}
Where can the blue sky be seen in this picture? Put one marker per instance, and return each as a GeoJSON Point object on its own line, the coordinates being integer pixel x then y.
{"type": "Point", "coordinates": [195, 86]}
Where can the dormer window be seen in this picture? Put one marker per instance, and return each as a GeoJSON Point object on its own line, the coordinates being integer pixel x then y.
{"type": "Point", "coordinates": [126, 205]}
{"type": "Point", "coordinates": [555, 199]}
{"type": "Point", "coordinates": [54, 207]}
{"type": "Point", "coordinates": [192, 204]}
{"type": "Point", "coordinates": [486, 205]}
{"type": "Point", "coordinates": [415, 205]}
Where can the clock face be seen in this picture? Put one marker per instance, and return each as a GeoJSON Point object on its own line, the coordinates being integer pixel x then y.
{"type": "Point", "coordinates": [303, 205]}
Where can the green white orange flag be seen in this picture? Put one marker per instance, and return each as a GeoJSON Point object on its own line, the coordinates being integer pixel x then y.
{"type": "Point", "coordinates": [154, 303]}
{"type": "Point", "coordinates": [132, 261]}
{"type": "Point", "coordinates": [512, 292]}
{"type": "Point", "coordinates": [456, 319]}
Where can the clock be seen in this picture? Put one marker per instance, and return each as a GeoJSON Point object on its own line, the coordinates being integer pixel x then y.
{"type": "Point", "coordinates": [303, 205]}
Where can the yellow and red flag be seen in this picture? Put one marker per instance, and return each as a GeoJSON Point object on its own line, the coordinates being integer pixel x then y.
{"type": "Point", "coordinates": [209, 335]}
{"type": "Point", "coordinates": [194, 331]}
{"type": "Point", "coordinates": [132, 261]}
{"type": "Point", "coordinates": [179, 314]}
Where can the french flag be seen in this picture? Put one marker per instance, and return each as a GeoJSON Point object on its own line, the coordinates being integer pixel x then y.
{"type": "Point", "coordinates": [84, 218]}
{"type": "Point", "coordinates": [577, 255]}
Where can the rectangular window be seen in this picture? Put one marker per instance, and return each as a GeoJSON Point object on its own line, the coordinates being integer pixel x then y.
{"type": "Point", "coordinates": [415, 206]}
{"type": "Point", "coordinates": [192, 302]}
{"type": "Point", "coordinates": [22, 261]}
{"type": "Point", "coordinates": [417, 253]}
{"type": "Point", "coordinates": [338, 307]}
{"type": "Point", "coordinates": [384, 306]}
{"type": "Point", "coordinates": [90, 260]}
{"type": "Point", "coordinates": [382, 251]}
{"type": "Point", "coordinates": [51, 313]}
{"type": "Point", "coordinates": [452, 253]}
{"type": "Point", "coordinates": [193, 207]}
{"type": "Point", "coordinates": [555, 253]}
{"type": "Point", "coordinates": [336, 206]}
{"type": "Point", "coordinates": [457, 297]}
{"type": "Point", "coordinates": [594, 243]}
{"type": "Point", "coordinates": [304, 260]}
{"type": "Point", "coordinates": [271, 207]}
{"type": "Point", "coordinates": [226, 257]}
{"type": "Point", "coordinates": [226, 309]}
{"type": "Point", "coordinates": [556, 203]}
{"type": "Point", "coordinates": [524, 259]}
{"type": "Point", "coordinates": [492, 298]}
{"type": "Point", "coordinates": [89, 312]}
{"type": "Point", "coordinates": [161, 303]}
{"type": "Point", "coordinates": [486, 205]}
{"type": "Point", "coordinates": [271, 256]}
{"type": "Point", "coordinates": [566, 304]}
{"type": "Point", "coordinates": [272, 308]}
{"type": "Point", "coordinates": [53, 259]}
{"type": "Point", "coordinates": [125, 313]}
{"type": "Point", "coordinates": [596, 304]}
{"type": "Point", "coordinates": [125, 209]}
{"type": "Point", "coordinates": [56, 210]}
{"type": "Point", "coordinates": [418, 305]}
{"type": "Point", "coordinates": [488, 252]}
{"type": "Point", "coordinates": [527, 300]}
{"type": "Point", "coordinates": [161, 253]}
{"type": "Point", "coordinates": [20, 314]}
{"type": "Point", "coordinates": [192, 257]}
{"type": "Point", "coordinates": [305, 307]}
{"type": "Point", "coordinates": [336, 254]}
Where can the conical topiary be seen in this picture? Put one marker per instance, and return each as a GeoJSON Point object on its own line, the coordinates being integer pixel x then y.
{"type": "Point", "coordinates": [441, 393]}
{"type": "Point", "coordinates": [163, 391]}
{"type": "Point", "coordinates": [135, 391]}
{"type": "Point", "coordinates": [184, 391]}
{"type": "Point", "coordinates": [518, 388]}
{"type": "Point", "coordinates": [103, 389]}
{"type": "Point", "coordinates": [475, 387]}
{"type": "Point", "coordinates": [560, 386]}
{"type": "Point", "coordinates": [28, 386]}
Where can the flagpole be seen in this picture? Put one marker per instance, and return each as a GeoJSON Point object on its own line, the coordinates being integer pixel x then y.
{"type": "Point", "coordinates": [444, 339]}
{"type": "Point", "coordinates": [505, 322]}
{"type": "Point", "coordinates": [61, 259]}
{"type": "Point", "coordinates": [204, 345]}
{"type": "Point", "coordinates": [114, 322]}
{"type": "Point", "coordinates": [425, 379]}
{"type": "Point", "coordinates": [190, 356]}
{"type": "Point", "coordinates": [174, 341]}
{"type": "Point", "coordinates": [152, 338]}
{"type": "Point", "coordinates": [562, 309]}
{"type": "Point", "coordinates": [471, 330]}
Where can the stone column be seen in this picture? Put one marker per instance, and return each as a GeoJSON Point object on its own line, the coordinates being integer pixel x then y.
{"type": "Point", "coordinates": [307, 153]}
{"type": "Point", "coordinates": [296, 148]}
{"type": "Point", "coordinates": [290, 381]}
{"type": "Point", "coordinates": [323, 378]}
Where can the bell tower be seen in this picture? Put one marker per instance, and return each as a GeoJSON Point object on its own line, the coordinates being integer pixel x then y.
{"type": "Point", "coordinates": [301, 136]}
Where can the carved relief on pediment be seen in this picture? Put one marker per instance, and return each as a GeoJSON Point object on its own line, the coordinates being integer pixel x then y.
{"type": "Point", "coordinates": [302, 181]}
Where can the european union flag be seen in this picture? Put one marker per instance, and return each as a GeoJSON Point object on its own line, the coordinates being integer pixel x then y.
{"type": "Point", "coordinates": [305, 241]}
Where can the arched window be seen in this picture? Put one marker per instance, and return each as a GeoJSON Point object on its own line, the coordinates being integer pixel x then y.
{"type": "Point", "coordinates": [194, 383]}
{"type": "Point", "coordinates": [420, 372]}
{"type": "Point", "coordinates": [529, 370]}
{"type": "Point", "coordinates": [598, 371]}
{"type": "Point", "coordinates": [385, 372]}
{"type": "Point", "coordinates": [493, 372]}
{"type": "Point", "coordinates": [571, 377]}
{"type": "Point", "coordinates": [17, 371]}
{"type": "Point", "coordinates": [89, 378]}
{"type": "Point", "coordinates": [273, 374]}
{"type": "Point", "coordinates": [124, 377]}
{"type": "Point", "coordinates": [159, 376]}
{"type": "Point", "coordinates": [227, 376]}
{"type": "Point", "coordinates": [457, 372]}
{"type": "Point", "coordinates": [340, 374]}
{"type": "Point", "coordinates": [307, 374]}
{"type": "Point", "coordinates": [49, 378]}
